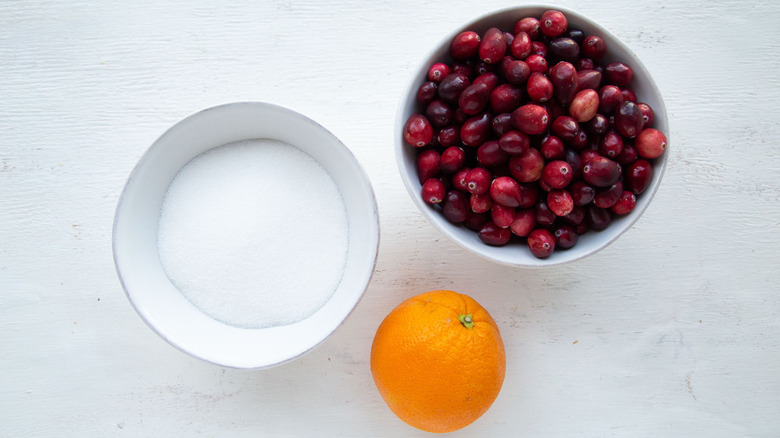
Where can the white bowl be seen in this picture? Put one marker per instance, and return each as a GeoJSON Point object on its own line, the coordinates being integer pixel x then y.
{"type": "Point", "coordinates": [516, 253]}
{"type": "Point", "coordinates": [135, 232]}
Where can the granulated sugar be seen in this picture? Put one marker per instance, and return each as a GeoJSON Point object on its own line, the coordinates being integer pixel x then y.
{"type": "Point", "coordinates": [254, 234]}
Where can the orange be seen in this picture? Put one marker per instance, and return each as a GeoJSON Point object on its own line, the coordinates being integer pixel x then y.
{"type": "Point", "coordinates": [438, 361]}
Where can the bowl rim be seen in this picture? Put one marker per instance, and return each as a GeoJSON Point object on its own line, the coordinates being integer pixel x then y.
{"type": "Point", "coordinates": [444, 227]}
{"type": "Point", "coordinates": [364, 279]}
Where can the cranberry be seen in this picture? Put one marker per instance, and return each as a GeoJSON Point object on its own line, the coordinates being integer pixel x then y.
{"type": "Point", "coordinates": [618, 73]}
{"type": "Point", "coordinates": [493, 46]}
{"type": "Point", "coordinates": [529, 25]}
{"type": "Point", "coordinates": [543, 214]}
{"type": "Point", "coordinates": [584, 105]}
{"type": "Point", "coordinates": [455, 206]}
{"type": "Point", "coordinates": [480, 202]}
{"type": "Point", "coordinates": [557, 174]}
{"type": "Point", "coordinates": [490, 154]}
{"type": "Point", "coordinates": [502, 215]}
{"type": "Point", "coordinates": [638, 176]}
{"type": "Point", "coordinates": [418, 131]}
{"type": "Point", "coordinates": [583, 64]}
{"type": "Point", "coordinates": [524, 223]}
{"type": "Point", "coordinates": [464, 68]}
{"type": "Point", "coordinates": [537, 63]}
{"type": "Point", "coordinates": [563, 49]}
{"type": "Point", "coordinates": [582, 193]}
{"type": "Point", "coordinates": [625, 204]}
{"type": "Point", "coordinates": [588, 79]}
{"type": "Point", "coordinates": [449, 136]}
{"type": "Point", "coordinates": [573, 158]}
{"type": "Point", "coordinates": [607, 197]}
{"type": "Point", "coordinates": [611, 145]}
{"type": "Point", "coordinates": [474, 99]}
{"type": "Point", "coordinates": [433, 191]}
{"type": "Point", "coordinates": [560, 202]}
{"type": "Point", "coordinates": [565, 128]}
{"type": "Point", "coordinates": [438, 71]}
{"type": "Point", "coordinates": [459, 179]}
{"type": "Point", "coordinates": [505, 98]}
{"type": "Point", "coordinates": [478, 180]}
{"type": "Point", "coordinates": [650, 143]}
{"type": "Point", "coordinates": [528, 166]}
{"type": "Point", "coordinates": [564, 78]}
{"type": "Point", "coordinates": [506, 191]}
{"type": "Point", "coordinates": [427, 92]}
{"type": "Point", "coordinates": [514, 142]}
{"type": "Point", "coordinates": [594, 47]}
{"type": "Point", "coordinates": [628, 94]}
{"type": "Point", "coordinates": [492, 234]}
{"type": "Point", "coordinates": [628, 119]}
{"type": "Point", "coordinates": [516, 72]}
{"type": "Point", "coordinates": [539, 48]}
{"type": "Point", "coordinates": [576, 34]}
{"type": "Point", "coordinates": [648, 115]}
{"type": "Point", "coordinates": [521, 45]}
{"type": "Point", "coordinates": [428, 164]}
{"type": "Point", "coordinates": [489, 79]}
{"type": "Point", "coordinates": [599, 124]}
{"type": "Point", "coordinates": [541, 243]}
{"type": "Point", "coordinates": [552, 148]}
{"type": "Point", "coordinates": [439, 113]}
{"type": "Point", "coordinates": [539, 87]}
{"type": "Point", "coordinates": [452, 159]}
{"type": "Point", "coordinates": [475, 221]}
{"type": "Point", "coordinates": [598, 218]}
{"type": "Point", "coordinates": [601, 171]}
{"type": "Point", "coordinates": [465, 45]}
{"type": "Point", "coordinates": [553, 23]}
{"type": "Point", "coordinates": [565, 236]}
{"type": "Point", "coordinates": [529, 195]}
{"type": "Point", "coordinates": [609, 98]}
{"type": "Point", "coordinates": [451, 86]}
{"type": "Point", "coordinates": [475, 130]}
{"type": "Point", "coordinates": [628, 155]}
{"type": "Point", "coordinates": [502, 123]}
{"type": "Point", "coordinates": [575, 216]}
{"type": "Point", "coordinates": [530, 119]}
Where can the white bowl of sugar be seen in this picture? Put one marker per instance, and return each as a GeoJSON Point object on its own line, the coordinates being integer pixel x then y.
{"type": "Point", "coordinates": [246, 234]}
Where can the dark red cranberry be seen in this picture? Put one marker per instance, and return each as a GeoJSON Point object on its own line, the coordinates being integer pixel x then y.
{"type": "Point", "coordinates": [611, 145]}
{"type": "Point", "coordinates": [609, 99]}
{"type": "Point", "coordinates": [565, 128]}
{"type": "Point", "coordinates": [493, 46]}
{"type": "Point", "coordinates": [541, 243]}
{"type": "Point", "coordinates": [625, 204]}
{"type": "Point", "coordinates": [594, 47]}
{"type": "Point", "coordinates": [576, 34]}
{"type": "Point", "coordinates": [560, 202]}
{"type": "Point", "coordinates": [418, 131]}
{"type": "Point", "coordinates": [650, 143]}
{"type": "Point", "coordinates": [433, 191]}
{"type": "Point", "coordinates": [475, 221]}
{"type": "Point", "coordinates": [517, 72]}
{"type": "Point", "coordinates": [452, 159]}
{"type": "Point", "coordinates": [598, 218]}
{"type": "Point", "coordinates": [557, 174]}
{"type": "Point", "coordinates": [506, 191]}
{"type": "Point", "coordinates": [552, 148]}
{"type": "Point", "coordinates": [638, 176]}
{"type": "Point", "coordinates": [464, 68]}
{"type": "Point", "coordinates": [543, 215]}
{"type": "Point", "coordinates": [588, 79]}
{"type": "Point", "coordinates": [588, 154]}
{"type": "Point", "coordinates": [530, 119]}
{"type": "Point", "coordinates": [607, 197]}
{"type": "Point", "coordinates": [490, 79]}
{"type": "Point", "coordinates": [451, 86]}
{"type": "Point", "coordinates": [494, 235]}
{"type": "Point", "coordinates": [514, 142]}
{"type": "Point", "coordinates": [439, 113]}
{"type": "Point", "coordinates": [465, 45]}
{"type": "Point", "coordinates": [529, 25]}
{"type": "Point", "coordinates": [628, 119]}
{"type": "Point", "coordinates": [581, 140]}
{"type": "Point", "coordinates": [521, 45]}
{"type": "Point", "coordinates": [529, 195]}
{"type": "Point", "coordinates": [629, 154]}
{"type": "Point", "coordinates": [600, 171]}
{"type": "Point", "coordinates": [563, 49]}
{"type": "Point", "coordinates": [502, 123]}
{"type": "Point", "coordinates": [553, 23]}
{"type": "Point", "coordinates": [573, 158]}
{"type": "Point", "coordinates": [427, 92]}
{"type": "Point", "coordinates": [628, 94]}
{"type": "Point", "coordinates": [539, 87]}
{"type": "Point", "coordinates": [564, 78]}
{"type": "Point", "coordinates": [474, 98]}
{"type": "Point", "coordinates": [505, 98]}
{"type": "Point", "coordinates": [449, 136]}
{"type": "Point", "coordinates": [476, 130]}
{"type": "Point", "coordinates": [527, 167]}
{"type": "Point", "coordinates": [582, 193]}
{"type": "Point", "coordinates": [599, 124]}
{"type": "Point", "coordinates": [455, 206]}
{"type": "Point", "coordinates": [585, 64]}
{"type": "Point", "coordinates": [565, 236]}
{"type": "Point", "coordinates": [428, 164]}
{"type": "Point", "coordinates": [524, 223]}
{"type": "Point", "coordinates": [502, 215]}
{"type": "Point", "coordinates": [537, 63]}
{"type": "Point", "coordinates": [575, 216]}
{"type": "Point", "coordinates": [490, 154]}
{"type": "Point", "coordinates": [618, 73]}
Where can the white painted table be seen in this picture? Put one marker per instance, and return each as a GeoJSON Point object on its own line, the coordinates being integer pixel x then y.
{"type": "Point", "coordinates": [671, 331]}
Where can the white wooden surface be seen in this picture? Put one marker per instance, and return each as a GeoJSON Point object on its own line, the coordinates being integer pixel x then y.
{"type": "Point", "coordinates": [671, 331]}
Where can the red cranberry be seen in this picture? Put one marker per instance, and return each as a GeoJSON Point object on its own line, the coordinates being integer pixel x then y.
{"type": "Point", "coordinates": [530, 119]}
{"type": "Point", "coordinates": [541, 243]}
{"type": "Point", "coordinates": [476, 130]}
{"type": "Point", "coordinates": [506, 191]}
{"type": "Point", "coordinates": [538, 48]}
{"type": "Point", "coordinates": [553, 23]}
{"type": "Point", "coordinates": [648, 115]}
{"type": "Point", "coordinates": [524, 223]}
{"type": "Point", "coordinates": [502, 215]}
{"type": "Point", "coordinates": [565, 128]}
{"type": "Point", "coordinates": [449, 136]}
{"type": "Point", "coordinates": [452, 159]}
{"type": "Point", "coordinates": [638, 176]}
{"type": "Point", "coordinates": [628, 119]}
{"type": "Point", "coordinates": [537, 63]}
{"type": "Point", "coordinates": [529, 195]}
{"type": "Point", "coordinates": [588, 79]}
{"type": "Point", "coordinates": [502, 123]}
{"type": "Point", "coordinates": [628, 155]}
{"type": "Point", "coordinates": [428, 164]}
{"type": "Point", "coordinates": [505, 98]}
{"type": "Point", "coordinates": [564, 78]}
{"type": "Point", "coordinates": [601, 171]}
{"type": "Point", "coordinates": [433, 191]}
{"type": "Point", "coordinates": [611, 145]}
{"type": "Point", "coordinates": [455, 206]}
{"type": "Point", "coordinates": [650, 143]}
{"type": "Point", "coordinates": [427, 92]}
{"type": "Point", "coordinates": [539, 87]}
{"type": "Point", "coordinates": [618, 73]}
{"type": "Point", "coordinates": [628, 94]}
{"type": "Point", "coordinates": [464, 68]}
{"type": "Point", "coordinates": [493, 46]}
{"type": "Point", "coordinates": [582, 193]}
{"type": "Point", "coordinates": [478, 180]}
{"type": "Point", "coordinates": [584, 105]}
{"type": "Point", "coordinates": [565, 236]}
{"type": "Point", "coordinates": [465, 45]}
{"type": "Point", "coordinates": [584, 64]}
{"type": "Point", "coordinates": [474, 99]}
{"type": "Point", "coordinates": [521, 45]}
{"type": "Point", "coordinates": [560, 202]}
{"type": "Point", "coordinates": [438, 71]}
{"type": "Point", "coordinates": [552, 148]}
{"type": "Point", "coordinates": [418, 131]}
{"type": "Point", "coordinates": [557, 174]}
{"type": "Point", "coordinates": [607, 197]}
{"type": "Point", "coordinates": [514, 142]}
{"type": "Point", "coordinates": [609, 98]}
{"type": "Point", "coordinates": [527, 167]}
{"type": "Point", "coordinates": [490, 79]}
{"type": "Point", "coordinates": [529, 25]}
{"type": "Point", "coordinates": [625, 204]}
{"type": "Point", "coordinates": [516, 72]}
{"type": "Point", "coordinates": [594, 47]}
{"type": "Point", "coordinates": [492, 234]}
{"type": "Point", "coordinates": [480, 202]}
{"type": "Point", "coordinates": [490, 154]}
{"type": "Point", "coordinates": [459, 179]}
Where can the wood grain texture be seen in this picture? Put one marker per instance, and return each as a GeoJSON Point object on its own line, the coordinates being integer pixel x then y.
{"type": "Point", "coordinates": [671, 331]}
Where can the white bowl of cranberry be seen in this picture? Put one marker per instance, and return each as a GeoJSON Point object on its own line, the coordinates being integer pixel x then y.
{"type": "Point", "coordinates": [532, 136]}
